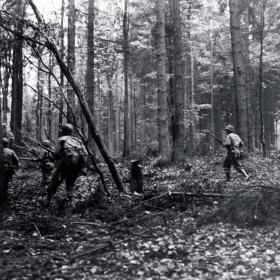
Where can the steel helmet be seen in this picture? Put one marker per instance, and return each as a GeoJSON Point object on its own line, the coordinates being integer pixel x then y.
{"type": "Point", "coordinates": [5, 141]}
{"type": "Point", "coordinates": [67, 129]}
{"type": "Point", "coordinates": [229, 128]}
{"type": "Point", "coordinates": [46, 143]}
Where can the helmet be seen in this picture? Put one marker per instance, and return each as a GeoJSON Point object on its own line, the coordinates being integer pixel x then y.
{"type": "Point", "coordinates": [5, 141]}
{"type": "Point", "coordinates": [67, 129]}
{"type": "Point", "coordinates": [46, 143]}
{"type": "Point", "coordinates": [229, 128]}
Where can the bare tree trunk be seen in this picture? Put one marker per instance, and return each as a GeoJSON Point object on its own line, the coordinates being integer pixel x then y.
{"type": "Point", "coordinates": [39, 107]}
{"type": "Point", "coordinates": [126, 142]}
{"type": "Point", "coordinates": [163, 129]}
{"type": "Point", "coordinates": [71, 53]}
{"type": "Point", "coordinates": [110, 114]}
{"type": "Point", "coordinates": [50, 111]}
{"type": "Point", "coordinates": [239, 39]}
{"type": "Point", "coordinates": [17, 79]}
{"type": "Point", "coordinates": [261, 81]}
{"type": "Point", "coordinates": [5, 91]}
{"type": "Point", "coordinates": [3, 198]}
{"type": "Point", "coordinates": [178, 131]}
{"type": "Point", "coordinates": [90, 59]}
{"type": "Point", "coordinates": [61, 105]}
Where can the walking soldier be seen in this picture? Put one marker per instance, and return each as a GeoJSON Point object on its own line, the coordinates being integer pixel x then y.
{"type": "Point", "coordinates": [70, 155]}
{"type": "Point", "coordinates": [233, 143]}
{"type": "Point", "coordinates": [11, 162]}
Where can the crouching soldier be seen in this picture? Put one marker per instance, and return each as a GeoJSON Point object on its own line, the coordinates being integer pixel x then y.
{"type": "Point", "coordinates": [70, 155]}
{"type": "Point", "coordinates": [46, 159]}
{"type": "Point", "coordinates": [233, 143]}
{"type": "Point", "coordinates": [11, 162]}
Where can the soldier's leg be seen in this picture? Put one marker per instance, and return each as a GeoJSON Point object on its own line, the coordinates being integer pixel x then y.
{"type": "Point", "coordinates": [239, 168]}
{"type": "Point", "coordinates": [227, 166]}
{"type": "Point", "coordinates": [4, 193]}
{"type": "Point", "coordinates": [52, 187]}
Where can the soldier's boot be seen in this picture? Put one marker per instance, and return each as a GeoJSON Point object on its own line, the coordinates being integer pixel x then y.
{"type": "Point", "coordinates": [245, 174]}
{"type": "Point", "coordinates": [227, 172]}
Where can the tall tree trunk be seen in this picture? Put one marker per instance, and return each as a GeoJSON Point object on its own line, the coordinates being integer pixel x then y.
{"type": "Point", "coordinates": [110, 114]}
{"type": "Point", "coordinates": [213, 144]}
{"type": "Point", "coordinates": [177, 97]}
{"type": "Point", "coordinates": [71, 53]}
{"type": "Point", "coordinates": [3, 198]}
{"type": "Point", "coordinates": [61, 102]}
{"type": "Point", "coordinates": [50, 111]}
{"type": "Point", "coordinates": [17, 79]}
{"type": "Point", "coordinates": [126, 142]}
{"type": "Point", "coordinates": [39, 107]}
{"type": "Point", "coordinates": [261, 81]}
{"type": "Point", "coordinates": [163, 129]}
{"type": "Point", "coordinates": [239, 39]}
{"type": "Point", "coordinates": [90, 59]}
{"type": "Point", "coordinates": [5, 91]}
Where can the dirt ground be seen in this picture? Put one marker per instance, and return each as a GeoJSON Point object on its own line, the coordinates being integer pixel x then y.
{"type": "Point", "coordinates": [129, 236]}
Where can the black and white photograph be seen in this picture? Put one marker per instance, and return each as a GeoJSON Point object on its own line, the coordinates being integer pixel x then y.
{"type": "Point", "coordinates": [139, 139]}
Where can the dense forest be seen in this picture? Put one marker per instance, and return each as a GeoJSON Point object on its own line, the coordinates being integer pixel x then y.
{"type": "Point", "coordinates": [152, 88]}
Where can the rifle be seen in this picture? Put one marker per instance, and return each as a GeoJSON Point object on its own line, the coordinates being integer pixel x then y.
{"type": "Point", "coordinates": [30, 159]}
{"type": "Point", "coordinates": [46, 148]}
{"type": "Point", "coordinates": [216, 138]}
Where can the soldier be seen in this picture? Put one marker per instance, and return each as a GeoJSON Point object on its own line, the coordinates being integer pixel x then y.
{"type": "Point", "coordinates": [46, 159]}
{"type": "Point", "coordinates": [11, 162]}
{"type": "Point", "coordinates": [70, 155]}
{"type": "Point", "coordinates": [233, 143]}
{"type": "Point", "coordinates": [8, 135]}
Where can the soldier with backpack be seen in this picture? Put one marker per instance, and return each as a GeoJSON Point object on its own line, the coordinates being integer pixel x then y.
{"type": "Point", "coordinates": [70, 155]}
{"type": "Point", "coordinates": [11, 163]}
{"type": "Point", "coordinates": [233, 143]}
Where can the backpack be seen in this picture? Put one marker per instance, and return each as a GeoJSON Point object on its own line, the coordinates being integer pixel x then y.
{"type": "Point", "coordinates": [73, 150]}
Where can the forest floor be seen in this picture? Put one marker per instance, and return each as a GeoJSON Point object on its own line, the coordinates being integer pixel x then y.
{"type": "Point", "coordinates": [188, 225]}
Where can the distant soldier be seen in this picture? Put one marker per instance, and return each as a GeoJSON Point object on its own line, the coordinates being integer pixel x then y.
{"type": "Point", "coordinates": [46, 159]}
{"type": "Point", "coordinates": [70, 155]}
{"type": "Point", "coordinates": [11, 162]}
{"type": "Point", "coordinates": [8, 134]}
{"type": "Point", "coordinates": [233, 143]}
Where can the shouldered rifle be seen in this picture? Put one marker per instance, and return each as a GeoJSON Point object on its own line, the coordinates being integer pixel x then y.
{"type": "Point", "coordinates": [46, 148]}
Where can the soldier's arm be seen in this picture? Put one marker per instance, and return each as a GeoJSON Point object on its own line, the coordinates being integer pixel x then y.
{"type": "Point", "coordinates": [227, 142]}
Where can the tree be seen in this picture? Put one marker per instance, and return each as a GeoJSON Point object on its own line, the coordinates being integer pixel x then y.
{"type": "Point", "coordinates": [177, 96]}
{"type": "Point", "coordinates": [240, 50]}
{"type": "Point", "coordinates": [71, 52]}
{"type": "Point", "coordinates": [163, 128]}
{"type": "Point", "coordinates": [90, 57]}
{"type": "Point", "coordinates": [126, 141]}
{"type": "Point", "coordinates": [17, 77]}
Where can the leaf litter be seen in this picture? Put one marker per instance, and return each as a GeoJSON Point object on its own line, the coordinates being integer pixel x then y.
{"type": "Point", "coordinates": [163, 234]}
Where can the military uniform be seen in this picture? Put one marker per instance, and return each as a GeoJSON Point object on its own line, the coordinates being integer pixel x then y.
{"type": "Point", "coordinates": [11, 162]}
{"type": "Point", "coordinates": [70, 155]}
{"type": "Point", "coordinates": [46, 159]}
{"type": "Point", "coordinates": [233, 143]}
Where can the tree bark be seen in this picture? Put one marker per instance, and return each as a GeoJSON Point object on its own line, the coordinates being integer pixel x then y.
{"type": "Point", "coordinates": [240, 49]}
{"type": "Point", "coordinates": [61, 103]}
{"type": "Point", "coordinates": [126, 142]}
{"type": "Point", "coordinates": [90, 60]}
{"type": "Point", "coordinates": [71, 53]}
{"type": "Point", "coordinates": [163, 129]}
{"type": "Point", "coordinates": [17, 79]}
{"type": "Point", "coordinates": [177, 98]}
